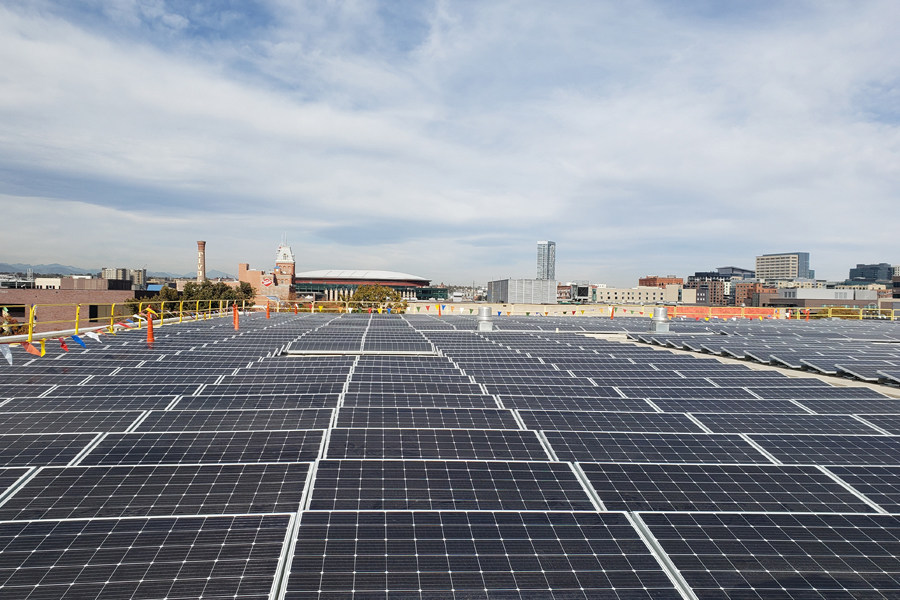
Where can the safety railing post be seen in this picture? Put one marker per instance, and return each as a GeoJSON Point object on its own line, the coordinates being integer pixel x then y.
{"type": "Point", "coordinates": [162, 313]}
{"type": "Point", "coordinates": [31, 322]}
{"type": "Point", "coordinates": [112, 317]}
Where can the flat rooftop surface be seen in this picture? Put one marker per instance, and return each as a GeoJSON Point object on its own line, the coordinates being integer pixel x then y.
{"type": "Point", "coordinates": [408, 456]}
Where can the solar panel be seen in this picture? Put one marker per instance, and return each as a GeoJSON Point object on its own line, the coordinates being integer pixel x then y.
{"type": "Point", "coordinates": [8, 477]}
{"type": "Point", "coordinates": [236, 420]}
{"type": "Point", "coordinates": [257, 402]}
{"type": "Point", "coordinates": [814, 392]}
{"type": "Point", "coordinates": [446, 485]}
{"type": "Point", "coordinates": [704, 405]}
{"type": "Point", "coordinates": [205, 447]}
{"type": "Point", "coordinates": [783, 423]}
{"type": "Point", "coordinates": [473, 555]}
{"type": "Point", "coordinates": [856, 407]}
{"type": "Point", "coordinates": [607, 421]}
{"type": "Point", "coordinates": [832, 449]}
{"type": "Point", "coordinates": [365, 450]}
{"type": "Point", "coordinates": [879, 484]}
{"type": "Point", "coordinates": [707, 487]}
{"type": "Point", "coordinates": [66, 421]}
{"type": "Point", "coordinates": [723, 555]}
{"type": "Point", "coordinates": [94, 492]}
{"type": "Point", "coordinates": [22, 450]}
{"type": "Point", "coordinates": [652, 447]}
{"type": "Point", "coordinates": [188, 557]}
{"type": "Point", "coordinates": [444, 418]}
{"type": "Point", "coordinates": [122, 390]}
{"type": "Point", "coordinates": [82, 404]}
{"type": "Point", "coordinates": [716, 393]}
{"type": "Point", "coordinates": [577, 403]}
{"type": "Point", "coordinates": [420, 400]}
{"type": "Point", "coordinates": [266, 389]}
{"type": "Point", "coordinates": [367, 387]}
{"type": "Point", "coordinates": [472, 444]}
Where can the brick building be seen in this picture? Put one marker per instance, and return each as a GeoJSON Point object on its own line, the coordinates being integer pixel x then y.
{"type": "Point", "coordinates": [57, 310]}
{"type": "Point", "coordinates": [660, 282]}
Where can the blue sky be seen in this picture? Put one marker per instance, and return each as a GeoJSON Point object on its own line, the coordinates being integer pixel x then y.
{"type": "Point", "coordinates": [445, 138]}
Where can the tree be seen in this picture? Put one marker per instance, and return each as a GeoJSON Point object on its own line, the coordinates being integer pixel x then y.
{"type": "Point", "coordinates": [205, 292]}
{"type": "Point", "coordinates": [374, 296]}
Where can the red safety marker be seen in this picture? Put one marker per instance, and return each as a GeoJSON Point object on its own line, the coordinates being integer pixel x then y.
{"type": "Point", "coordinates": [150, 339]}
{"type": "Point", "coordinates": [237, 322]}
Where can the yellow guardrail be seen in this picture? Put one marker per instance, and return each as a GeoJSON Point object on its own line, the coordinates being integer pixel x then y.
{"type": "Point", "coordinates": [40, 321]}
{"type": "Point", "coordinates": [840, 312]}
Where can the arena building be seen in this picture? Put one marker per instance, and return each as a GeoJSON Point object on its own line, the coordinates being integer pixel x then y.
{"type": "Point", "coordinates": [283, 284]}
{"type": "Point", "coordinates": [339, 284]}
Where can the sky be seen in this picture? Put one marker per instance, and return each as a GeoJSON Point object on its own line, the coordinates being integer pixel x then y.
{"type": "Point", "coordinates": [445, 138]}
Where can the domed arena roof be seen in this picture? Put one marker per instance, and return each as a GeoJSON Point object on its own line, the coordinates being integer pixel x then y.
{"type": "Point", "coordinates": [359, 274]}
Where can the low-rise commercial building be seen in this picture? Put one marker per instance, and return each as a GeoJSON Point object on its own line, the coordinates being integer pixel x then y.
{"type": "Point", "coordinates": [661, 282]}
{"type": "Point", "coordinates": [818, 298]}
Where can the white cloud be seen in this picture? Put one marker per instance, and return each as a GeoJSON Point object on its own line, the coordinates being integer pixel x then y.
{"type": "Point", "coordinates": [473, 123]}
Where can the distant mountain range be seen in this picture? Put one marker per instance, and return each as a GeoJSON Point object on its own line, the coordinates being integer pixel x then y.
{"type": "Point", "coordinates": [45, 269]}
{"type": "Point", "coordinates": [58, 269]}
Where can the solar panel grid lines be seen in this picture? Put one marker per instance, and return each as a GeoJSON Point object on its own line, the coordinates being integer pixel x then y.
{"type": "Point", "coordinates": [407, 449]}
{"type": "Point", "coordinates": [589, 446]}
{"type": "Point", "coordinates": [607, 421]}
{"type": "Point", "coordinates": [214, 557]}
{"type": "Point", "coordinates": [67, 421]}
{"type": "Point", "coordinates": [206, 447]}
{"type": "Point", "coordinates": [262, 401]}
{"type": "Point", "coordinates": [784, 423]}
{"type": "Point", "coordinates": [170, 490]}
{"type": "Point", "coordinates": [475, 444]}
{"type": "Point", "coordinates": [428, 418]}
{"type": "Point", "coordinates": [473, 554]}
{"type": "Point", "coordinates": [32, 449]}
{"type": "Point", "coordinates": [587, 403]}
{"type": "Point", "coordinates": [663, 487]}
{"type": "Point", "coordinates": [372, 484]}
{"type": "Point", "coordinates": [236, 420]}
{"type": "Point", "coordinates": [781, 555]}
{"type": "Point", "coordinates": [831, 449]}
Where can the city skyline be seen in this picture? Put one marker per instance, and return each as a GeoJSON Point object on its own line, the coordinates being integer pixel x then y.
{"type": "Point", "coordinates": [444, 138]}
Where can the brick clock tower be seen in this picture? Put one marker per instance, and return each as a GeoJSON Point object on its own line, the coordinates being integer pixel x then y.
{"type": "Point", "coordinates": [284, 265]}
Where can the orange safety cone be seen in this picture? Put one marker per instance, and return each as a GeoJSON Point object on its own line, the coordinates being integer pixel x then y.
{"type": "Point", "coordinates": [295, 309]}
{"type": "Point", "coordinates": [150, 339]}
{"type": "Point", "coordinates": [237, 322]}
{"type": "Point", "coordinates": [267, 310]}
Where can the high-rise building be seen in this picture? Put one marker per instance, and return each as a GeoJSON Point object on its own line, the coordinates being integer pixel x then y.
{"type": "Point", "coordinates": [789, 265]}
{"type": "Point", "coordinates": [138, 278]}
{"type": "Point", "coordinates": [522, 291]}
{"type": "Point", "coordinates": [115, 273]}
{"type": "Point", "coordinates": [546, 260]}
{"type": "Point", "coordinates": [881, 272]}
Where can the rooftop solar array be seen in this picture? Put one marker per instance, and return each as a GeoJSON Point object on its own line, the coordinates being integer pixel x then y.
{"type": "Point", "coordinates": [322, 456]}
